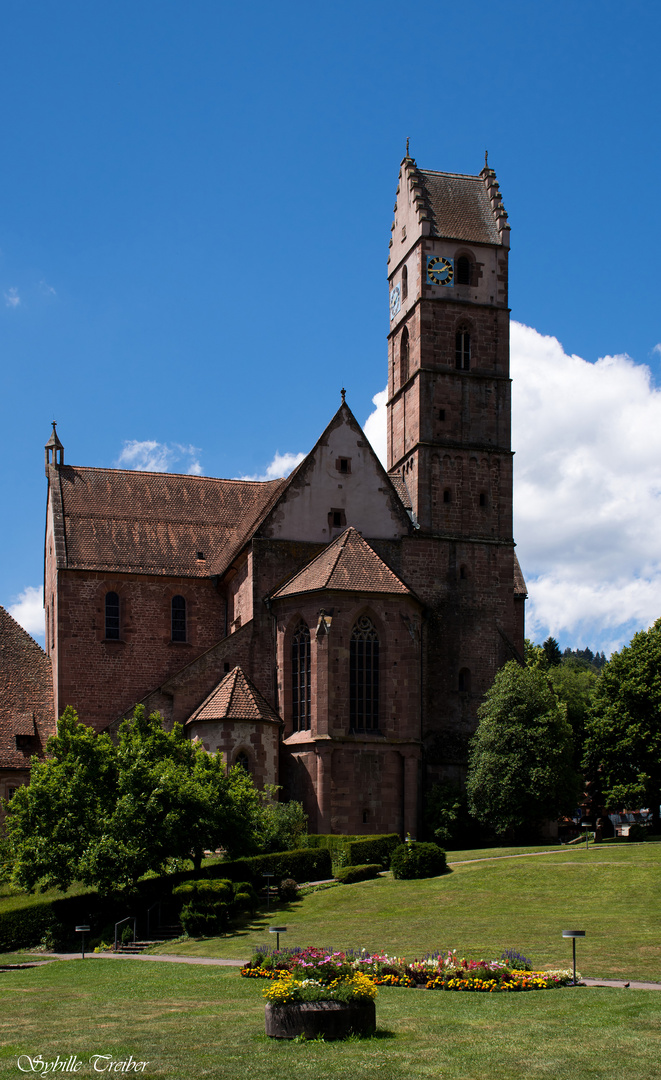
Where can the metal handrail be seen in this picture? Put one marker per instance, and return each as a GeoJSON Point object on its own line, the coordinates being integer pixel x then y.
{"type": "Point", "coordinates": [127, 919]}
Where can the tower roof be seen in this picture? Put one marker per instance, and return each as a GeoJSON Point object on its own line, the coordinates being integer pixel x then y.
{"type": "Point", "coordinates": [235, 698]}
{"type": "Point", "coordinates": [459, 207]}
{"type": "Point", "coordinates": [348, 564]}
{"type": "Point", "coordinates": [54, 441]}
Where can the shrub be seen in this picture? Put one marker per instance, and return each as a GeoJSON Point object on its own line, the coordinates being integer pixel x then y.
{"type": "Point", "coordinates": [306, 864]}
{"type": "Point", "coordinates": [638, 832]}
{"type": "Point", "coordinates": [417, 861]}
{"type": "Point", "coordinates": [203, 919]}
{"type": "Point", "coordinates": [348, 875]}
{"type": "Point", "coordinates": [288, 890]}
{"type": "Point", "coordinates": [244, 901]}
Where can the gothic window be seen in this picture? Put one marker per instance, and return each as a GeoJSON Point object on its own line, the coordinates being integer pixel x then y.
{"type": "Point", "coordinates": [405, 283]}
{"type": "Point", "coordinates": [242, 761]}
{"type": "Point", "coordinates": [300, 677]}
{"type": "Point", "coordinates": [112, 616]}
{"type": "Point", "coordinates": [403, 357]}
{"type": "Point", "coordinates": [463, 349]}
{"type": "Point", "coordinates": [364, 676]}
{"type": "Point", "coordinates": [463, 270]}
{"type": "Point", "coordinates": [178, 618]}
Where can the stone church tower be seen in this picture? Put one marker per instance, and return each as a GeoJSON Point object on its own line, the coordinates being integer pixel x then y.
{"type": "Point", "coordinates": [333, 632]}
{"type": "Point", "coordinates": [449, 424]}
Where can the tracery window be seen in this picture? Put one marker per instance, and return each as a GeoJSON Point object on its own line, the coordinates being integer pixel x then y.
{"type": "Point", "coordinates": [178, 618]}
{"type": "Point", "coordinates": [405, 283]}
{"type": "Point", "coordinates": [364, 676]}
{"type": "Point", "coordinates": [300, 677]}
{"type": "Point", "coordinates": [463, 349]}
{"type": "Point", "coordinates": [242, 761]}
{"type": "Point", "coordinates": [112, 616]}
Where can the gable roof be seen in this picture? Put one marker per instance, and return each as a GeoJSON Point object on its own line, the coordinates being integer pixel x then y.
{"type": "Point", "coordinates": [348, 564]}
{"type": "Point", "coordinates": [153, 523]}
{"type": "Point", "coordinates": [235, 698]}
{"type": "Point", "coordinates": [26, 694]}
{"type": "Point", "coordinates": [458, 207]}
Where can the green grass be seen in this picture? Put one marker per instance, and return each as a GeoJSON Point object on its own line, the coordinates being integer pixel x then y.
{"type": "Point", "coordinates": [193, 1022]}
{"type": "Point", "coordinates": [481, 908]}
{"type": "Point", "coordinates": [13, 899]}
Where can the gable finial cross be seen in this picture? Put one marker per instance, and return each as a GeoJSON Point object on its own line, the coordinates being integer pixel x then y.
{"type": "Point", "coordinates": [486, 159]}
{"type": "Point", "coordinates": [407, 146]}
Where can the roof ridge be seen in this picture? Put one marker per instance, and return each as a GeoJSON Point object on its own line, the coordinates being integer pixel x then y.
{"type": "Point", "coordinates": [188, 476]}
{"type": "Point", "coordinates": [460, 176]}
{"type": "Point", "coordinates": [24, 631]}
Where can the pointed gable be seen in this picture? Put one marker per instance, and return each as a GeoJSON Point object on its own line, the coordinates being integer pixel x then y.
{"type": "Point", "coordinates": [341, 482]}
{"type": "Point", "coordinates": [349, 564]}
{"type": "Point", "coordinates": [235, 698]}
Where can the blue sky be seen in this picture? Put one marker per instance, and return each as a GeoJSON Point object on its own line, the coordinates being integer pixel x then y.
{"type": "Point", "coordinates": [195, 211]}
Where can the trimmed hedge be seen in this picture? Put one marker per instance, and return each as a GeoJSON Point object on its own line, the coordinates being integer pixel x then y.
{"type": "Point", "coordinates": [349, 875]}
{"type": "Point", "coordinates": [304, 864]}
{"type": "Point", "coordinates": [417, 861]}
{"type": "Point", "coordinates": [357, 850]}
{"type": "Point", "coordinates": [375, 849]}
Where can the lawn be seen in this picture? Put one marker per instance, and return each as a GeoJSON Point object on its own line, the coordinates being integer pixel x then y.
{"type": "Point", "coordinates": [483, 907]}
{"type": "Point", "coordinates": [192, 1022]}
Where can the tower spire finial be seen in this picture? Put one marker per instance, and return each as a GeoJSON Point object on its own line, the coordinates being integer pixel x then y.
{"type": "Point", "coordinates": [344, 394]}
{"type": "Point", "coordinates": [486, 159]}
{"type": "Point", "coordinates": [407, 146]}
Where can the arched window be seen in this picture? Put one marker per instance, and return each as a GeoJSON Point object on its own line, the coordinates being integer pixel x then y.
{"type": "Point", "coordinates": [178, 618]}
{"type": "Point", "coordinates": [464, 681]}
{"type": "Point", "coordinates": [404, 357]}
{"type": "Point", "coordinates": [405, 282]}
{"type": "Point", "coordinates": [364, 676]}
{"type": "Point", "coordinates": [300, 677]}
{"type": "Point", "coordinates": [112, 616]}
{"type": "Point", "coordinates": [463, 349]}
{"type": "Point", "coordinates": [463, 270]}
{"type": "Point", "coordinates": [242, 761]}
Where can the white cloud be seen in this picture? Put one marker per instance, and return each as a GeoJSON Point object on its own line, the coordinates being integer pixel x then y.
{"type": "Point", "coordinates": [47, 289]}
{"type": "Point", "coordinates": [657, 349]}
{"type": "Point", "coordinates": [12, 299]}
{"type": "Point", "coordinates": [28, 610]}
{"type": "Point", "coordinates": [281, 465]}
{"type": "Point", "coordinates": [151, 456]}
{"type": "Point", "coordinates": [375, 426]}
{"type": "Point", "coordinates": [587, 490]}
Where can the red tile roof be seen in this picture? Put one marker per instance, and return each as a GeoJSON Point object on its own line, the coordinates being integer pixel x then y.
{"type": "Point", "coordinates": [459, 207]}
{"type": "Point", "coordinates": [348, 564]}
{"type": "Point", "coordinates": [520, 587]}
{"type": "Point", "coordinates": [26, 694]}
{"type": "Point", "coordinates": [153, 523]}
{"type": "Point", "coordinates": [235, 698]}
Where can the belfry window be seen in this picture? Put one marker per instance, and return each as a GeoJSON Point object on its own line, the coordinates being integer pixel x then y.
{"type": "Point", "coordinates": [112, 617]}
{"type": "Point", "coordinates": [300, 677]}
{"type": "Point", "coordinates": [463, 270]}
{"type": "Point", "coordinates": [405, 283]}
{"type": "Point", "coordinates": [178, 618]}
{"type": "Point", "coordinates": [463, 349]}
{"type": "Point", "coordinates": [403, 357]}
{"type": "Point", "coordinates": [364, 676]}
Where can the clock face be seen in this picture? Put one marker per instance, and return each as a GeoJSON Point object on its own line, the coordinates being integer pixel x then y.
{"type": "Point", "coordinates": [395, 301]}
{"type": "Point", "coordinates": [440, 271]}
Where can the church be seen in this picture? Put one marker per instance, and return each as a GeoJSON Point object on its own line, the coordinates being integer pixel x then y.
{"type": "Point", "coordinates": [334, 631]}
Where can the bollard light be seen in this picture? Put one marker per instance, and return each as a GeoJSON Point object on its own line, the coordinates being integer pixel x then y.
{"type": "Point", "coordinates": [277, 930]}
{"type": "Point", "coordinates": [573, 934]}
{"type": "Point", "coordinates": [82, 930]}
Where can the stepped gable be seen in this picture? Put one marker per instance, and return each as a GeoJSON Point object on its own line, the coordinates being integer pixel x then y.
{"type": "Point", "coordinates": [235, 698]}
{"type": "Point", "coordinates": [348, 564]}
{"type": "Point", "coordinates": [459, 206]}
{"type": "Point", "coordinates": [153, 523]}
{"type": "Point", "coordinates": [26, 695]}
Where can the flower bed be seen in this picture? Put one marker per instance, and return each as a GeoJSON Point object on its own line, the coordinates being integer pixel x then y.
{"type": "Point", "coordinates": [324, 974]}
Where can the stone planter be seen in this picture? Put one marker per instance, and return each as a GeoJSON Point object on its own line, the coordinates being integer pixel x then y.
{"type": "Point", "coordinates": [332, 1019]}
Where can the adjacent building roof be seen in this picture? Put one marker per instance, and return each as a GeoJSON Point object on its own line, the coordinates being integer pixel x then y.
{"type": "Point", "coordinates": [153, 523]}
{"type": "Point", "coordinates": [348, 564]}
{"type": "Point", "coordinates": [26, 695]}
{"type": "Point", "coordinates": [520, 587]}
{"type": "Point", "coordinates": [235, 698]}
{"type": "Point", "coordinates": [459, 207]}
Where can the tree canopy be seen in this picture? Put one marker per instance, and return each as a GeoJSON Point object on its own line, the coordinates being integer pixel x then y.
{"type": "Point", "coordinates": [521, 770]}
{"type": "Point", "coordinates": [623, 732]}
{"type": "Point", "coordinates": [105, 812]}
